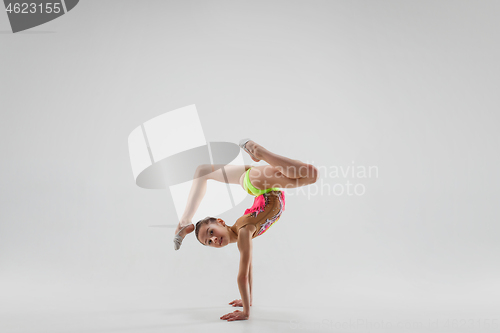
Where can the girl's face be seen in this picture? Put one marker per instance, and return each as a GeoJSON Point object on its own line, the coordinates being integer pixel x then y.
{"type": "Point", "coordinates": [214, 234]}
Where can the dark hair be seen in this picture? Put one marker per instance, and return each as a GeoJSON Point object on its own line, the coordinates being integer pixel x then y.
{"type": "Point", "coordinates": [201, 222]}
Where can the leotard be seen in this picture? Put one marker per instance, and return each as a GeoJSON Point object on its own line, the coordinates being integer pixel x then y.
{"type": "Point", "coordinates": [252, 190]}
{"type": "Point", "coordinates": [266, 210]}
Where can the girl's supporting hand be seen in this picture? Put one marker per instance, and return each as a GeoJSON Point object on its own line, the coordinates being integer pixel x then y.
{"type": "Point", "coordinates": [236, 315]}
{"type": "Point", "coordinates": [238, 302]}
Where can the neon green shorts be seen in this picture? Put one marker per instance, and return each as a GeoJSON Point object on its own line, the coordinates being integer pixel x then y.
{"type": "Point", "coordinates": [252, 190]}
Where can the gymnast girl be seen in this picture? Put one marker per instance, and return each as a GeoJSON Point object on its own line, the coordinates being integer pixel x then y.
{"type": "Point", "coordinates": [264, 182]}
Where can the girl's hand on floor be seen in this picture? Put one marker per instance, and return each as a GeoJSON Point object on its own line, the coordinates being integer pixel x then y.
{"type": "Point", "coordinates": [236, 315]}
{"type": "Point", "coordinates": [238, 302]}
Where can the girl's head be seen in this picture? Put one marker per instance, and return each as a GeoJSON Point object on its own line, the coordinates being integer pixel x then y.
{"type": "Point", "coordinates": [213, 232]}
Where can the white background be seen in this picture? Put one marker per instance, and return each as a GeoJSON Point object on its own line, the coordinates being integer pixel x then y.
{"type": "Point", "coordinates": [410, 87]}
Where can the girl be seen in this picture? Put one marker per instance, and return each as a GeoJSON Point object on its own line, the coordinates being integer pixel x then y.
{"type": "Point", "coordinates": [263, 182]}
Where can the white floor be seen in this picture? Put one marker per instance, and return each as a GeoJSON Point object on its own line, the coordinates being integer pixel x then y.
{"type": "Point", "coordinates": [158, 310]}
{"type": "Point", "coordinates": [408, 89]}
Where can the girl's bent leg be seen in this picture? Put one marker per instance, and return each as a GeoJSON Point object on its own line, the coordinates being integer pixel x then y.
{"type": "Point", "coordinates": [288, 167]}
{"type": "Point", "coordinates": [268, 176]}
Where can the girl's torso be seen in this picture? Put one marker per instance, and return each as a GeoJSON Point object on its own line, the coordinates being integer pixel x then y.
{"type": "Point", "coordinates": [267, 209]}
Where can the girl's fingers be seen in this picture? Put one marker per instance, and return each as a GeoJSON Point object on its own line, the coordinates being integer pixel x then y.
{"type": "Point", "coordinates": [234, 318]}
{"type": "Point", "coordinates": [231, 316]}
{"type": "Point", "coordinates": [227, 316]}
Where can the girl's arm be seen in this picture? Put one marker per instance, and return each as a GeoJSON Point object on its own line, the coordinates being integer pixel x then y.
{"type": "Point", "coordinates": [245, 247]}
{"type": "Point", "coordinates": [250, 282]}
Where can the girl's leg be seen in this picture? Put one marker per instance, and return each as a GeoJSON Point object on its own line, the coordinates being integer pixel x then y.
{"type": "Point", "coordinates": [223, 173]}
{"type": "Point", "coordinates": [229, 174]}
{"type": "Point", "coordinates": [283, 172]}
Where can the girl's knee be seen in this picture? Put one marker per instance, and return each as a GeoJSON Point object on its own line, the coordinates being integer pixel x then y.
{"type": "Point", "coordinates": [203, 170]}
{"type": "Point", "coordinates": [314, 173]}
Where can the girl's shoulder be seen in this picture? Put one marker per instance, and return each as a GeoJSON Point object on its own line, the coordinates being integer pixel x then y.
{"type": "Point", "coordinates": [244, 241]}
{"type": "Point", "coordinates": [250, 228]}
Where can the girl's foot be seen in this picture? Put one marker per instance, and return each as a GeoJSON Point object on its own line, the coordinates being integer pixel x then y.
{"type": "Point", "coordinates": [179, 236]}
{"type": "Point", "coordinates": [180, 226]}
{"type": "Point", "coordinates": [253, 150]}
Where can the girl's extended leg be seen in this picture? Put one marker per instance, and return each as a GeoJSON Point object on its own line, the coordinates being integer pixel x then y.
{"type": "Point", "coordinates": [223, 173]}
{"type": "Point", "coordinates": [283, 172]}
